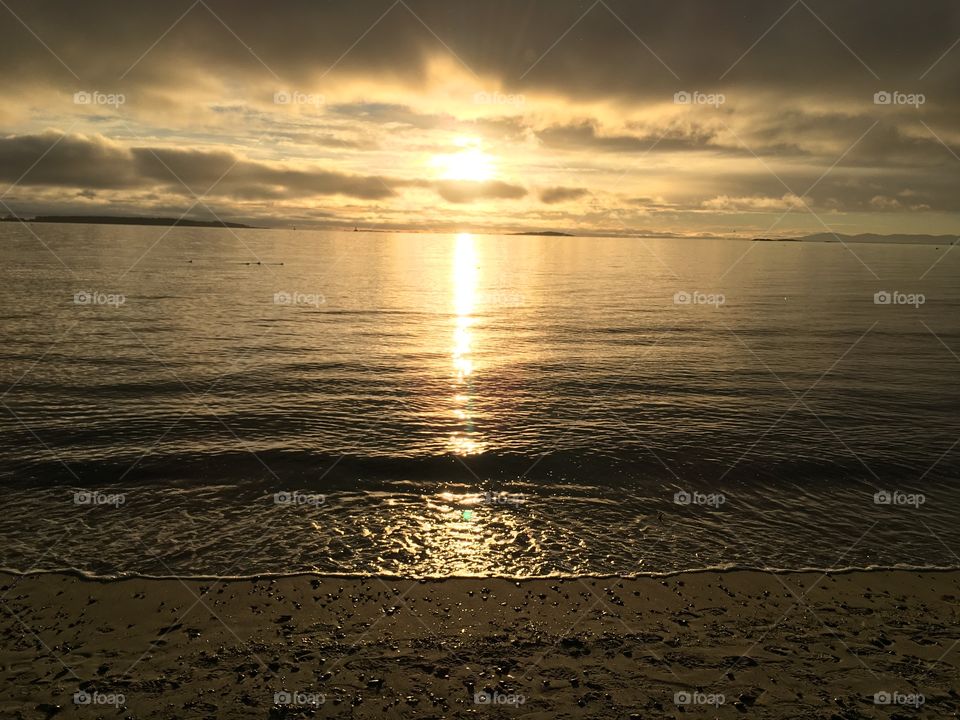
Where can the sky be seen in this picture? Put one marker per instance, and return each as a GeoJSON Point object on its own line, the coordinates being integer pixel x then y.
{"type": "Point", "coordinates": [763, 118]}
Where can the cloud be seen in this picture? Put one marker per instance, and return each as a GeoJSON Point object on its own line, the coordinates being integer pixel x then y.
{"type": "Point", "coordinates": [464, 191]}
{"type": "Point", "coordinates": [296, 43]}
{"type": "Point", "coordinates": [554, 195]}
{"type": "Point", "coordinates": [586, 136]}
{"type": "Point", "coordinates": [399, 86]}
{"type": "Point", "coordinates": [723, 203]}
{"type": "Point", "coordinates": [884, 202]}
{"type": "Point", "coordinates": [653, 203]}
{"type": "Point", "coordinates": [77, 161]}
{"type": "Point", "coordinates": [52, 158]}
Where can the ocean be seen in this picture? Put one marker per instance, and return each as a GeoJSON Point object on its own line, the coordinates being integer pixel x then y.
{"type": "Point", "coordinates": [219, 402]}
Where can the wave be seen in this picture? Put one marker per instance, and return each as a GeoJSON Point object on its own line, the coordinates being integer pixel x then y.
{"type": "Point", "coordinates": [276, 469]}
{"type": "Point", "coordinates": [726, 568]}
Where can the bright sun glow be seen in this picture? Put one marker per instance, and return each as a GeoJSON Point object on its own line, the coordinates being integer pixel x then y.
{"type": "Point", "coordinates": [470, 163]}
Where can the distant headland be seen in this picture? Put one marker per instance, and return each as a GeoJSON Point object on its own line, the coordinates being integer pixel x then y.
{"type": "Point", "coordinates": [124, 220]}
{"type": "Point", "coordinates": [868, 238]}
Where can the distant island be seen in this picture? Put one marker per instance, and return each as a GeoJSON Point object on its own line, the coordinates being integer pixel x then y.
{"type": "Point", "coordinates": [870, 238]}
{"type": "Point", "coordinates": [547, 233]}
{"type": "Point", "coordinates": [124, 220]}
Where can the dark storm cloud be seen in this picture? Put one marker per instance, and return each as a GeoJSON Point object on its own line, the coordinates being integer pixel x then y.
{"type": "Point", "coordinates": [689, 44]}
{"type": "Point", "coordinates": [200, 169]}
{"type": "Point", "coordinates": [673, 137]}
{"type": "Point", "coordinates": [554, 195]}
{"type": "Point", "coordinates": [93, 162]}
{"type": "Point", "coordinates": [879, 139]}
{"type": "Point", "coordinates": [71, 162]}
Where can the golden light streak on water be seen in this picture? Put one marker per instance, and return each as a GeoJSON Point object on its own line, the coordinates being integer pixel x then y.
{"type": "Point", "coordinates": [464, 284]}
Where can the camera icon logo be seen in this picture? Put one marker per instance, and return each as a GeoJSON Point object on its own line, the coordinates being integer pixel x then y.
{"type": "Point", "coordinates": [282, 298]}
{"type": "Point", "coordinates": [283, 97]}
{"type": "Point", "coordinates": [883, 497]}
{"type": "Point", "coordinates": [682, 297]}
{"type": "Point", "coordinates": [882, 297]}
{"type": "Point", "coordinates": [682, 697]}
{"type": "Point", "coordinates": [682, 97]}
{"type": "Point", "coordinates": [481, 698]}
{"type": "Point", "coordinates": [82, 97]}
{"type": "Point", "coordinates": [82, 297]}
{"type": "Point", "coordinates": [682, 498]}
{"type": "Point", "coordinates": [882, 97]}
{"type": "Point", "coordinates": [283, 698]}
{"type": "Point", "coordinates": [882, 698]}
{"type": "Point", "coordinates": [82, 697]}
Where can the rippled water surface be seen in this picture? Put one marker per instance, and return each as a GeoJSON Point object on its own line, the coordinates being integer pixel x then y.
{"type": "Point", "coordinates": [251, 401]}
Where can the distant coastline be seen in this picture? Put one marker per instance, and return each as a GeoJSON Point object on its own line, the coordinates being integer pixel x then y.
{"type": "Point", "coordinates": [826, 237]}
{"type": "Point", "coordinates": [124, 220]}
{"type": "Point", "coordinates": [869, 238]}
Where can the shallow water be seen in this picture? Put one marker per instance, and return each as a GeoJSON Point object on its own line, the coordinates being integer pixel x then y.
{"type": "Point", "coordinates": [452, 405]}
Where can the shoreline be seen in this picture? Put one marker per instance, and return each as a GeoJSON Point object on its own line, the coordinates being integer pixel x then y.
{"type": "Point", "coordinates": [772, 645]}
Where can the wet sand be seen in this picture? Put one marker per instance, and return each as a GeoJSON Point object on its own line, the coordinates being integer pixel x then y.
{"type": "Point", "coordinates": [733, 644]}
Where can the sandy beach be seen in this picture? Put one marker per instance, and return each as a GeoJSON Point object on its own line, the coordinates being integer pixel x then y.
{"type": "Point", "coordinates": [704, 644]}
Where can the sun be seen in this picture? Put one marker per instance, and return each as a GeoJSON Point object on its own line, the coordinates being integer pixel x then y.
{"type": "Point", "coordinates": [468, 163]}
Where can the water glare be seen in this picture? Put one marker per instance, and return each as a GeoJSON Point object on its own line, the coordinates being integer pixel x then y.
{"type": "Point", "coordinates": [464, 441]}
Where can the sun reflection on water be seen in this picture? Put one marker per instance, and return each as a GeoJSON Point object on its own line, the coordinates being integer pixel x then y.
{"type": "Point", "coordinates": [464, 282]}
{"type": "Point", "coordinates": [461, 533]}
